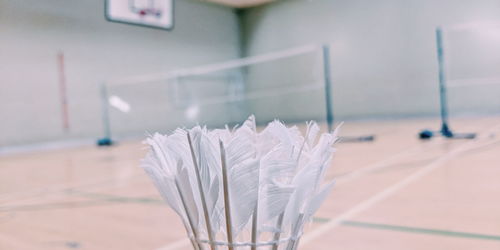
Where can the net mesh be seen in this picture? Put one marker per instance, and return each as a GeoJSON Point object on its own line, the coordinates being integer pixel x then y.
{"type": "Point", "coordinates": [288, 87]}
{"type": "Point", "coordinates": [473, 68]}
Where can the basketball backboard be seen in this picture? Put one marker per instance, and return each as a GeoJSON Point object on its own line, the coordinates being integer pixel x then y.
{"type": "Point", "coordinates": [149, 13]}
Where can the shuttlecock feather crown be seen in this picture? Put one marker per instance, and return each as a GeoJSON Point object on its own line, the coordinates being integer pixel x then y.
{"type": "Point", "coordinates": [239, 188]}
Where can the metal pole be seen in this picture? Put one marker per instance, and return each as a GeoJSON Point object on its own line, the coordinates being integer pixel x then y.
{"type": "Point", "coordinates": [63, 92]}
{"type": "Point", "coordinates": [328, 87]}
{"type": "Point", "coordinates": [105, 113]}
{"type": "Point", "coordinates": [445, 130]}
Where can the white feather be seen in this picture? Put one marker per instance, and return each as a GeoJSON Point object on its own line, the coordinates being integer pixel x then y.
{"type": "Point", "coordinates": [189, 193]}
{"type": "Point", "coordinates": [274, 200]}
{"type": "Point", "coordinates": [209, 165]}
{"type": "Point", "coordinates": [164, 185]}
{"type": "Point", "coordinates": [272, 175]}
{"type": "Point", "coordinates": [244, 190]}
{"type": "Point", "coordinates": [312, 133]}
{"type": "Point", "coordinates": [318, 199]}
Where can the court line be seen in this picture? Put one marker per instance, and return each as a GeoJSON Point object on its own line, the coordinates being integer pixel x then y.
{"type": "Point", "coordinates": [53, 205]}
{"type": "Point", "coordinates": [120, 198]}
{"type": "Point", "coordinates": [420, 230]}
{"type": "Point", "coordinates": [411, 151]}
{"type": "Point", "coordinates": [63, 187]}
{"type": "Point", "coordinates": [379, 164]}
{"type": "Point", "coordinates": [110, 199]}
{"type": "Point", "coordinates": [96, 200]}
{"type": "Point", "coordinates": [320, 219]}
{"type": "Point", "coordinates": [334, 222]}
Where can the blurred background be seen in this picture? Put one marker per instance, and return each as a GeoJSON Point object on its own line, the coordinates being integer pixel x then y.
{"type": "Point", "coordinates": [383, 58]}
{"type": "Point", "coordinates": [79, 73]}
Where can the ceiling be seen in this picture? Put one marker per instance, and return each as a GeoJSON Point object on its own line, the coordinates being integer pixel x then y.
{"type": "Point", "coordinates": [241, 3]}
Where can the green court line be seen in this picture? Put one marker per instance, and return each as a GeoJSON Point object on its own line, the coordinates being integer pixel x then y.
{"type": "Point", "coordinates": [52, 205]}
{"type": "Point", "coordinates": [96, 200]}
{"type": "Point", "coordinates": [320, 220]}
{"type": "Point", "coordinates": [446, 233]}
{"type": "Point", "coordinates": [117, 198]}
{"type": "Point", "coordinates": [420, 230]}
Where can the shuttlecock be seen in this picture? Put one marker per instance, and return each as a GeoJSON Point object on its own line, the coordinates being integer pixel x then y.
{"type": "Point", "coordinates": [239, 188]}
{"type": "Point", "coordinates": [119, 104]}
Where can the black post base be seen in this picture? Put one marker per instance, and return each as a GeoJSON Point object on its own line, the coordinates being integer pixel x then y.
{"type": "Point", "coordinates": [105, 142]}
{"type": "Point", "coordinates": [428, 134]}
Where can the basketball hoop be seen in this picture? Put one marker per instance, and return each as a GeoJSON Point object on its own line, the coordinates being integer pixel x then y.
{"type": "Point", "coordinates": [149, 13]}
{"type": "Point", "coordinates": [144, 8]}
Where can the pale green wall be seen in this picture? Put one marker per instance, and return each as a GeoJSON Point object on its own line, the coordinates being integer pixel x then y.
{"type": "Point", "coordinates": [383, 61]}
{"type": "Point", "coordinates": [383, 52]}
{"type": "Point", "coordinates": [33, 31]}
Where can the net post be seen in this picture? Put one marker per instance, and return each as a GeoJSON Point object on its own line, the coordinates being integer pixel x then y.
{"type": "Point", "coordinates": [63, 92]}
{"type": "Point", "coordinates": [106, 140]}
{"type": "Point", "coordinates": [329, 101]}
{"type": "Point", "coordinates": [445, 130]}
{"type": "Point", "coordinates": [328, 86]}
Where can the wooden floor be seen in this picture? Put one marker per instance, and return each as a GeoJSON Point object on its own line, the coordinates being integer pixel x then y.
{"type": "Point", "coordinates": [394, 193]}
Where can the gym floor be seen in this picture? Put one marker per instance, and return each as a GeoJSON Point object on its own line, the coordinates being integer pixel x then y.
{"type": "Point", "coordinates": [394, 193]}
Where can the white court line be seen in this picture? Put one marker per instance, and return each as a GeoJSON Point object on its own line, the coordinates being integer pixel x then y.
{"type": "Point", "coordinates": [395, 157]}
{"type": "Point", "coordinates": [377, 165]}
{"type": "Point", "coordinates": [311, 236]}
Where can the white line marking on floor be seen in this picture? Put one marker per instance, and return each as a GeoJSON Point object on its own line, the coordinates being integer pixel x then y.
{"type": "Point", "coordinates": [311, 236]}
